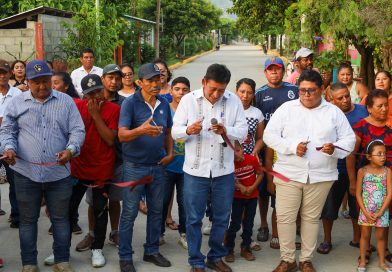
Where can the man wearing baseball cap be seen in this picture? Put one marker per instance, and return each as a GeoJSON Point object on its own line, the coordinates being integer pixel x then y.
{"type": "Point", "coordinates": [145, 131]}
{"type": "Point", "coordinates": [41, 131]}
{"type": "Point", "coordinates": [268, 99]}
{"type": "Point", "coordinates": [95, 164]}
{"type": "Point", "coordinates": [303, 61]}
{"type": "Point", "coordinates": [111, 80]}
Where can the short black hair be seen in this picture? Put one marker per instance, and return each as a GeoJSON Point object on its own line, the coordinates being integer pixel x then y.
{"type": "Point", "coordinates": [377, 93]}
{"type": "Point", "coordinates": [312, 76]}
{"type": "Point", "coordinates": [182, 80]}
{"type": "Point", "coordinates": [86, 50]}
{"type": "Point", "coordinates": [161, 61]}
{"type": "Point", "coordinates": [388, 74]}
{"type": "Point", "coordinates": [246, 81]}
{"type": "Point", "coordinates": [338, 86]}
{"type": "Point", "coordinates": [219, 73]}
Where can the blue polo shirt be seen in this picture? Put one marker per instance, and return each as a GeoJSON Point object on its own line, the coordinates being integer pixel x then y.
{"type": "Point", "coordinates": [268, 99]}
{"type": "Point", "coordinates": [357, 114]}
{"type": "Point", "coordinates": [134, 112]}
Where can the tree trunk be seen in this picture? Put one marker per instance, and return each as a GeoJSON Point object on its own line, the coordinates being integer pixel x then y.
{"type": "Point", "coordinates": [157, 28]}
{"type": "Point", "coordinates": [387, 56]}
{"type": "Point", "coordinates": [366, 71]}
{"type": "Point", "coordinates": [281, 45]}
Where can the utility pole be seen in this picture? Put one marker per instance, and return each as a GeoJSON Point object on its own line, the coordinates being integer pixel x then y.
{"type": "Point", "coordinates": [157, 28]}
{"type": "Point", "coordinates": [98, 48]}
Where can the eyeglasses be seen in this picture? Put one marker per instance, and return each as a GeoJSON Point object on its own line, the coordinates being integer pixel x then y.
{"type": "Point", "coordinates": [309, 91]}
{"type": "Point", "coordinates": [128, 74]}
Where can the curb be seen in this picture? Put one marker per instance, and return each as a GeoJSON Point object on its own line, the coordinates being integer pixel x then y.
{"type": "Point", "coordinates": [188, 60]}
{"type": "Point", "coordinates": [276, 54]}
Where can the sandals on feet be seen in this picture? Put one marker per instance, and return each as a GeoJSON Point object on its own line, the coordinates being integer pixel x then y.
{"type": "Point", "coordinates": [385, 268]}
{"type": "Point", "coordinates": [255, 246]}
{"type": "Point", "coordinates": [361, 269]}
{"type": "Point", "coordinates": [324, 248]}
{"type": "Point", "coordinates": [2, 212]}
{"type": "Point", "coordinates": [172, 225]}
{"type": "Point", "coordinates": [274, 243]}
{"type": "Point", "coordinates": [372, 248]}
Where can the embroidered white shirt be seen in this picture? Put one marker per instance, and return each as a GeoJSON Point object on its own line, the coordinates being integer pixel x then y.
{"type": "Point", "coordinates": [292, 123]}
{"type": "Point", "coordinates": [78, 74]}
{"type": "Point", "coordinates": [204, 154]}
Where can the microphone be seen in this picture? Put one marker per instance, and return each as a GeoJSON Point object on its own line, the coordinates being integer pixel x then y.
{"type": "Point", "coordinates": [214, 121]}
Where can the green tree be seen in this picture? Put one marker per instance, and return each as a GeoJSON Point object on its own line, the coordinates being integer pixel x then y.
{"type": "Point", "coordinates": [8, 8]}
{"type": "Point", "coordinates": [364, 24]}
{"type": "Point", "coordinates": [260, 18]}
{"type": "Point", "coordinates": [182, 18]}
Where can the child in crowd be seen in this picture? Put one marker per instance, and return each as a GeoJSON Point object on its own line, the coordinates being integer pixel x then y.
{"type": "Point", "coordinates": [248, 175]}
{"type": "Point", "coordinates": [373, 192]}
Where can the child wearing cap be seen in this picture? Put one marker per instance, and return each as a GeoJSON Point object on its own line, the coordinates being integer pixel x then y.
{"type": "Point", "coordinates": [248, 175]}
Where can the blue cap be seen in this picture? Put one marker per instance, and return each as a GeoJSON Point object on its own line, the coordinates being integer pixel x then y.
{"type": "Point", "coordinates": [273, 61]}
{"type": "Point", "coordinates": [148, 70]}
{"type": "Point", "coordinates": [37, 68]}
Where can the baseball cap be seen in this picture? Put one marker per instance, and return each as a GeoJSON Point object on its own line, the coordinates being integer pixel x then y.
{"type": "Point", "coordinates": [303, 53]}
{"type": "Point", "coordinates": [112, 68]}
{"type": "Point", "coordinates": [273, 61]}
{"type": "Point", "coordinates": [37, 68]}
{"type": "Point", "coordinates": [148, 70]}
{"type": "Point", "coordinates": [5, 66]}
{"type": "Point", "coordinates": [91, 83]}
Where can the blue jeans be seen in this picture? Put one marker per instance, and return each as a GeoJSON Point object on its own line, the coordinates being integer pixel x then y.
{"type": "Point", "coordinates": [131, 198]}
{"type": "Point", "coordinates": [242, 213]}
{"type": "Point", "coordinates": [12, 196]}
{"type": "Point", "coordinates": [196, 194]}
{"type": "Point", "coordinates": [174, 179]}
{"type": "Point", "coordinates": [29, 195]}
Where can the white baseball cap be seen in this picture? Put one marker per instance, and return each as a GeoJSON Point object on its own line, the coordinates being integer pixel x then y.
{"type": "Point", "coordinates": [303, 53]}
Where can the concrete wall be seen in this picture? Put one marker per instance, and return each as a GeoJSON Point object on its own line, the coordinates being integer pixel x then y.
{"type": "Point", "coordinates": [53, 31]}
{"type": "Point", "coordinates": [18, 42]}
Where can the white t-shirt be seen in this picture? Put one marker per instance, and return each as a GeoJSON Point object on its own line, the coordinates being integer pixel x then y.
{"type": "Point", "coordinates": [253, 118]}
{"type": "Point", "coordinates": [78, 74]}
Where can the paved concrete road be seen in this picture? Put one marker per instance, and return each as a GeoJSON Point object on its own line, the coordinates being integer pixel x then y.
{"type": "Point", "coordinates": [243, 61]}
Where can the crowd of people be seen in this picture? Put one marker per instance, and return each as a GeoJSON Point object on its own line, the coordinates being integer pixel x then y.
{"type": "Point", "coordinates": [300, 145]}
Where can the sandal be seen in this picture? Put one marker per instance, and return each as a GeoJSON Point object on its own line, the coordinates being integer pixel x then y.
{"type": "Point", "coordinates": [324, 248]}
{"type": "Point", "coordinates": [255, 246]}
{"type": "Point", "coordinates": [367, 257]}
{"type": "Point", "coordinates": [274, 243]}
{"type": "Point", "coordinates": [361, 269]}
{"type": "Point", "coordinates": [172, 225]}
{"type": "Point", "coordinates": [385, 268]}
{"type": "Point", "coordinates": [2, 212]}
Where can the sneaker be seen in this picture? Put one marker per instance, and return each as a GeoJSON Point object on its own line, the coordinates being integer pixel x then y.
{"type": "Point", "coordinates": [127, 266]}
{"type": "Point", "coordinates": [157, 259]}
{"type": "Point", "coordinates": [30, 268]}
{"type": "Point", "coordinates": [62, 267]}
{"type": "Point", "coordinates": [85, 244]}
{"type": "Point", "coordinates": [49, 260]}
{"type": "Point", "coordinates": [76, 229]}
{"type": "Point", "coordinates": [207, 229]}
{"type": "Point", "coordinates": [97, 258]}
{"type": "Point", "coordinates": [162, 240]}
{"type": "Point", "coordinates": [306, 266]}
{"type": "Point", "coordinates": [50, 230]}
{"type": "Point", "coordinates": [182, 241]}
{"type": "Point", "coordinates": [113, 238]}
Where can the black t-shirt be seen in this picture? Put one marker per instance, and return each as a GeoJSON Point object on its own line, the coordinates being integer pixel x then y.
{"type": "Point", "coordinates": [268, 99]}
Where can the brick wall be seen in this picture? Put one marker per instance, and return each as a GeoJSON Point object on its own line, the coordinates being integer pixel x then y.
{"type": "Point", "coordinates": [18, 42]}
{"type": "Point", "coordinates": [53, 32]}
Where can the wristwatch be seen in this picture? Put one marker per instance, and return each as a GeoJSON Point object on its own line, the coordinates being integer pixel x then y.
{"type": "Point", "coordinates": [71, 150]}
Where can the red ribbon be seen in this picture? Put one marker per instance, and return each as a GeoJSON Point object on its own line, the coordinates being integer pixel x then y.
{"type": "Point", "coordinates": [270, 172]}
